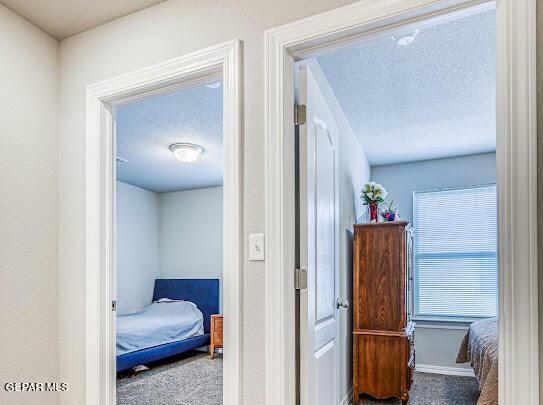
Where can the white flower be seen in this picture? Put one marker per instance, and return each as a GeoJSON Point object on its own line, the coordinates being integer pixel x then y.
{"type": "Point", "coordinates": [373, 192]}
{"type": "Point", "coordinates": [379, 189]}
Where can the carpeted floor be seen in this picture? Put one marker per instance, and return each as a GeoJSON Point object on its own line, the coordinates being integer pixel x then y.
{"type": "Point", "coordinates": [192, 379]}
{"type": "Point", "coordinates": [195, 379]}
{"type": "Point", "coordinates": [437, 389]}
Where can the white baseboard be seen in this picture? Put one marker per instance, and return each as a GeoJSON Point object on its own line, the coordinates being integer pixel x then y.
{"type": "Point", "coordinates": [424, 368]}
{"type": "Point", "coordinates": [348, 397]}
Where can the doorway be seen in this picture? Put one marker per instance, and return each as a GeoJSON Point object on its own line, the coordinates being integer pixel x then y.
{"type": "Point", "coordinates": [416, 139]}
{"type": "Point", "coordinates": [169, 246]}
{"type": "Point", "coordinates": [224, 61]}
{"type": "Point", "coordinates": [312, 36]}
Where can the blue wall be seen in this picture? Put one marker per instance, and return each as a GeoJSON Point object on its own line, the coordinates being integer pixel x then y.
{"type": "Point", "coordinates": [402, 179]}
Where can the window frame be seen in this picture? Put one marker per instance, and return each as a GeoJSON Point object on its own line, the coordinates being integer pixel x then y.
{"type": "Point", "coordinates": [444, 320]}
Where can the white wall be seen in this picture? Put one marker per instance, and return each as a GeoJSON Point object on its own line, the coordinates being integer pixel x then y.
{"type": "Point", "coordinates": [191, 238]}
{"type": "Point", "coordinates": [402, 179]}
{"type": "Point", "coordinates": [29, 336]}
{"type": "Point", "coordinates": [165, 31]}
{"type": "Point", "coordinates": [170, 235]}
{"type": "Point", "coordinates": [354, 171]}
{"type": "Point", "coordinates": [138, 260]}
{"type": "Point", "coordinates": [435, 346]}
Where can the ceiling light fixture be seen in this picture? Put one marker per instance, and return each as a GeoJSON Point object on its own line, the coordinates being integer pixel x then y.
{"type": "Point", "coordinates": [186, 152]}
{"type": "Point", "coordinates": [405, 39]}
{"type": "Point", "coordinates": [215, 85]}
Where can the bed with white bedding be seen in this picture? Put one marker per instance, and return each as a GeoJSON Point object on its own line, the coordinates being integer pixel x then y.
{"type": "Point", "coordinates": [164, 321]}
{"type": "Point", "coordinates": [177, 321]}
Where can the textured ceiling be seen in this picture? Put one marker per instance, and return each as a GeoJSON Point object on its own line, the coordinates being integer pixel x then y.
{"type": "Point", "coordinates": [146, 128]}
{"type": "Point", "coordinates": [63, 18]}
{"type": "Point", "coordinates": [433, 98]}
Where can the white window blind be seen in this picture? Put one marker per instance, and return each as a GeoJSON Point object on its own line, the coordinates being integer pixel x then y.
{"type": "Point", "coordinates": [456, 266]}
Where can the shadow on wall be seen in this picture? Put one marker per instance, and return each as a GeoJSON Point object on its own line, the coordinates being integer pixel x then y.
{"type": "Point", "coordinates": [349, 237]}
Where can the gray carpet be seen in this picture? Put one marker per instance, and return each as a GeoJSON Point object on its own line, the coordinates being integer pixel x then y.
{"type": "Point", "coordinates": [192, 379]}
{"type": "Point", "coordinates": [436, 389]}
{"type": "Point", "coordinates": [195, 379]}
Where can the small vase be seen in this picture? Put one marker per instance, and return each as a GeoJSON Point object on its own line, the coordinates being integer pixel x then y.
{"type": "Point", "coordinates": [373, 211]}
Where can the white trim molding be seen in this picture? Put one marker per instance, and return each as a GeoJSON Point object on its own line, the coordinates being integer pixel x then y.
{"type": "Point", "coordinates": [516, 157]}
{"type": "Point", "coordinates": [225, 60]}
{"type": "Point", "coordinates": [516, 166]}
{"type": "Point", "coordinates": [443, 325]}
{"type": "Point", "coordinates": [426, 368]}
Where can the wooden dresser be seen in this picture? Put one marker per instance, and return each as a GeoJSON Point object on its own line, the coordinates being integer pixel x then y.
{"type": "Point", "coordinates": [383, 334]}
{"type": "Point", "coordinates": [216, 334]}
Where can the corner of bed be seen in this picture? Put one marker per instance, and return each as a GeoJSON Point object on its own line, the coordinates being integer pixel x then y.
{"type": "Point", "coordinates": [202, 292]}
{"type": "Point", "coordinates": [480, 348]}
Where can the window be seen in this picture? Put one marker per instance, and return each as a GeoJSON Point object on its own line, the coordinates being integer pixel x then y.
{"type": "Point", "coordinates": [456, 265]}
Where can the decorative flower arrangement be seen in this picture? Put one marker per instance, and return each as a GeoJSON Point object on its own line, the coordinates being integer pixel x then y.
{"type": "Point", "coordinates": [390, 212]}
{"type": "Point", "coordinates": [373, 194]}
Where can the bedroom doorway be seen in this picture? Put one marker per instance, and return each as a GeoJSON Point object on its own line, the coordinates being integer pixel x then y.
{"type": "Point", "coordinates": [398, 301]}
{"type": "Point", "coordinates": [163, 169]}
{"type": "Point", "coordinates": [515, 162]}
{"type": "Point", "coordinates": [169, 246]}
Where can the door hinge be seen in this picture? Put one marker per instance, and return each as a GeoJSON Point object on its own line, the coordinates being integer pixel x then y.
{"type": "Point", "coordinates": [300, 279]}
{"type": "Point", "coordinates": [114, 305]}
{"type": "Point", "coordinates": [299, 114]}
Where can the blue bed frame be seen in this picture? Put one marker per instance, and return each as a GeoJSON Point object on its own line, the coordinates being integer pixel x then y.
{"type": "Point", "coordinates": [204, 293]}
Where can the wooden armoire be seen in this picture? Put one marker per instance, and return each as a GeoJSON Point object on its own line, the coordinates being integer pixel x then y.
{"type": "Point", "coordinates": [383, 334]}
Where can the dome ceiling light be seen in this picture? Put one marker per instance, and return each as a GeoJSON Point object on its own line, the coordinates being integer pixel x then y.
{"type": "Point", "coordinates": [187, 152]}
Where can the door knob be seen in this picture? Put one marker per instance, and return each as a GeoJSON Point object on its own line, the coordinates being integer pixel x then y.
{"type": "Point", "coordinates": [342, 303]}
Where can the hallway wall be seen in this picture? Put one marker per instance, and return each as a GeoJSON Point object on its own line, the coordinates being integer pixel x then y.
{"type": "Point", "coordinates": [159, 33]}
{"type": "Point", "coordinates": [29, 337]}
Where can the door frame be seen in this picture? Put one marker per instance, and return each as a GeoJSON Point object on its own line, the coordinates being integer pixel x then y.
{"type": "Point", "coordinates": [516, 175]}
{"type": "Point", "coordinates": [225, 60]}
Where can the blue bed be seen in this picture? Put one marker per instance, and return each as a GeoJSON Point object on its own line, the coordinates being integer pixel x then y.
{"type": "Point", "coordinates": [202, 292]}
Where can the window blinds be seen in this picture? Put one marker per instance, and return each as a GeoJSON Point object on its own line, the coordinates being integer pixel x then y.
{"type": "Point", "coordinates": [455, 253]}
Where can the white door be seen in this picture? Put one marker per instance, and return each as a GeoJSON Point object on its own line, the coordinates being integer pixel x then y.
{"type": "Point", "coordinates": [319, 247]}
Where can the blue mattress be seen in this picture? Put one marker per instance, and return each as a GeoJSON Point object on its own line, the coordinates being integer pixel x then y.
{"type": "Point", "coordinates": [204, 293]}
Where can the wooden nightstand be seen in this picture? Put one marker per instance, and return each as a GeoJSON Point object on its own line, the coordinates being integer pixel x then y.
{"type": "Point", "coordinates": [216, 334]}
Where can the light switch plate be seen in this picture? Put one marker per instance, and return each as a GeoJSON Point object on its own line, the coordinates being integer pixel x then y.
{"type": "Point", "coordinates": [256, 246]}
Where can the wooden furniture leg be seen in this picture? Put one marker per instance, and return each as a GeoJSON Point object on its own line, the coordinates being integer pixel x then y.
{"type": "Point", "coordinates": [405, 397]}
{"type": "Point", "coordinates": [356, 395]}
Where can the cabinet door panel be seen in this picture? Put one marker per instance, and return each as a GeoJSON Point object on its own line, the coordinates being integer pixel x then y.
{"type": "Point", "coordinates": [382, 365]}
{"type": "Point", "coordinates": [381, 279]}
